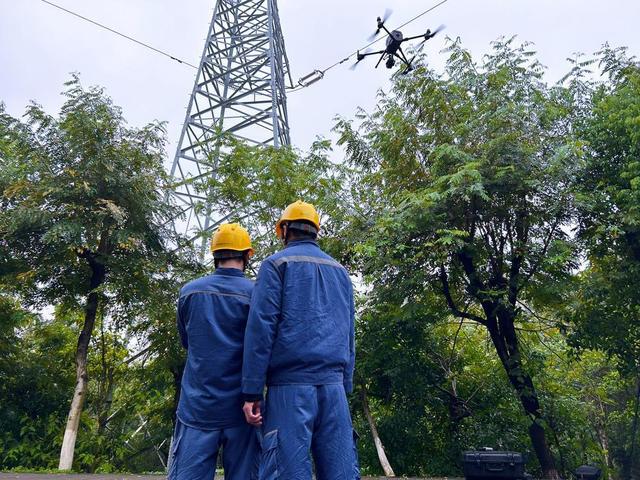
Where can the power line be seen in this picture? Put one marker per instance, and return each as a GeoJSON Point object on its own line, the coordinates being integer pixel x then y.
{"type": "Point", "coordinates": [318, 75]}
{"type": "Point", "coordinates": [161, 52]}
{"type": "Point", "coordinates": [315, 76]}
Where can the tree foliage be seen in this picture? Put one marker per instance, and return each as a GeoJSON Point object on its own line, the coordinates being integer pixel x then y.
{"type": "Point", "coordinates": [489, 220]}
{"type": "Point", "coordinates": [606, 306]}
{"type": "Point", "coordinates": [83, 224]}
{"type": "Point", "coordinates": [253, 185]}
{"type": "Point", "coordinates": [609, 193]}
{"type": "Point", "coordinates": [467, 176]}
{"type": "Point", "coordinates": [80, 188]}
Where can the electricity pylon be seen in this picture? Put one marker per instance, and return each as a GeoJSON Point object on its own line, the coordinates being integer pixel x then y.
{"type": "Point", "coordinates": [240, 90]}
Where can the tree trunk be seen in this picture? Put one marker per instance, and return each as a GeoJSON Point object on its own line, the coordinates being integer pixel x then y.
{"type": "Point", "coordinates": [500, 316]}
{"type": "Point", "coordinates": [634, 436]}
{"type": "Point", "coordinates": [382, 456]}
{"type": "Point", "coordinates": [554, 431]}
{"type": "Point", "coordinates": [505, 340]}
{"type": "Point", "coordinates": [106, 386]}
{"type": "Point", "coordinates": [600, 424]}
{"type": "Point", "coordinates": [82, 379]}
{"type": "Point", "coordinates": [105, 408]}
{"type": "Point", "coordinates": [176, 373]}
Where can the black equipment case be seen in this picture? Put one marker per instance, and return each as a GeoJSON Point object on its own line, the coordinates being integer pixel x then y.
{"type": "Point", "coordinates": [588, 472]}
{"type": "Point", "coordinates": [487, 464]}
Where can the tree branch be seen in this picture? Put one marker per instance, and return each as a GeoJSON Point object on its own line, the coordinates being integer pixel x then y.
{"type": "Point", "coordinates": [126, 361]}
{"type": "Point", "coordinates": [444, 280]}
{"type": "Point", "coordinates": [548, 321]}
{"type": "Point", "coordinates": [543, 254]}
{"type": "Point", "coordinates": [455, 342]}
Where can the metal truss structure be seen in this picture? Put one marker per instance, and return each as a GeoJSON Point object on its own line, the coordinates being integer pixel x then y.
{"type": "Point", "coordinates": [240, 90]}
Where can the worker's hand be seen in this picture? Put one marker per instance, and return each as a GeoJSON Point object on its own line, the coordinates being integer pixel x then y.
{"type": "Point", "coordinates": [252, 413]}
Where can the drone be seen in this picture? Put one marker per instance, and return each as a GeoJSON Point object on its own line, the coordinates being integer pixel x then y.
{"type": "Point", "coordinates": [393, 48]}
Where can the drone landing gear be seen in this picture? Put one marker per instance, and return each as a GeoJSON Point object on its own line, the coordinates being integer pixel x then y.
{"type": "Point", "coordinates": [408, 63]}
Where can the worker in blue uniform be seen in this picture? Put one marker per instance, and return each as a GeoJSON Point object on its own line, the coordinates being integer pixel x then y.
{"type": "Point", "coordinates": [212, 317]}
{"type": "Point", "coordinates": [299, 342]}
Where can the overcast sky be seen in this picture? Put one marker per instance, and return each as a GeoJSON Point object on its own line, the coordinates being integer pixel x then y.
{"type": "Point", "coordinates": [40, 45]}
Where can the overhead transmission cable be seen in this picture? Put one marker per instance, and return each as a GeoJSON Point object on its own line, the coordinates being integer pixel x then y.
{"type": "Point", "coordinates": [303, 82]}
{"type": "Point", "coordinates": [145, 45]}
{"type": "Point", "coordinates": [318, 75]}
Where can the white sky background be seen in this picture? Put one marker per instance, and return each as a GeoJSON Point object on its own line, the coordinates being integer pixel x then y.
{"type": "Point", "coordinates": [40, 45]}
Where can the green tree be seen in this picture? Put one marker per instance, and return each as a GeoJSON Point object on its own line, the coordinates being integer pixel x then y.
{"type": "Point", "coordinates": [36, 374]}
{"type": "Point", "coordinates": [83, 215]}
{"type": "Point", "coordinates": [254, 184]}
{"type": "Point", "coordinates": [609, 199]}
{"type": "Point", "coordinates": [465, 180]}
{"type": "Point", "coordinates": [606, 308]}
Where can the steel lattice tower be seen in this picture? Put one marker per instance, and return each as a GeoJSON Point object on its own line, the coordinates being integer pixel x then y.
{"type": "Point", "coordinates": [240, 90]}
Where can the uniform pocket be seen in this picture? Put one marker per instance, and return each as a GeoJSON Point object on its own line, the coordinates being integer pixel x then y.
{"type": "Point", "coordinates": [356, 463]}
{"type": "Point", "coordinates": [269, 464]}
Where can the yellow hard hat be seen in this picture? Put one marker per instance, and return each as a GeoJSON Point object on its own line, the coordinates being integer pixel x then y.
{"type": "Point", "coordinates": [231, 236]}
{"type": "Point", "coordinates": [298, 211]}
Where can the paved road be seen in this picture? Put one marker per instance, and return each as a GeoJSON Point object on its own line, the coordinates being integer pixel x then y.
{"type": "Point", "coordinates": [40, 476]}
{"type": "Point", "coordinates": [80, 476]}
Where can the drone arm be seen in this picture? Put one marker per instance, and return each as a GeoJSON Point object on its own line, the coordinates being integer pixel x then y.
{"type": "Point", "coordinates": [371, 53]}
{"type": "Point", "coordinates": [386, 30]}
{"type": "Point", "coordinates": [425, 36]}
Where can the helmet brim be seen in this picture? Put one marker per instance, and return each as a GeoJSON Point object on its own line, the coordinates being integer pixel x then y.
{"type": "Point", "coordinates": [250, 251]}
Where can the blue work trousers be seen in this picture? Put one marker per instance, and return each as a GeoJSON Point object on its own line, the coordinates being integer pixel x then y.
{"type": "Point", "coordinates": [195, 453]}
{"type": "Point", "coordinates": [303, 419]}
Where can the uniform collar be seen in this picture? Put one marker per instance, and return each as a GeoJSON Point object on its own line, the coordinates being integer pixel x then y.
{"type": "Point", "coordinates": [293, 243]}
{"type": "Point", "coordinates": [229, 272]}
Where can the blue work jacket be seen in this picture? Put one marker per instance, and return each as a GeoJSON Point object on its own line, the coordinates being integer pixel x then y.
{"type": "Point", "coordinates": [301, 322]}
{"type": "Point", "coordinates": [212, 317]}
